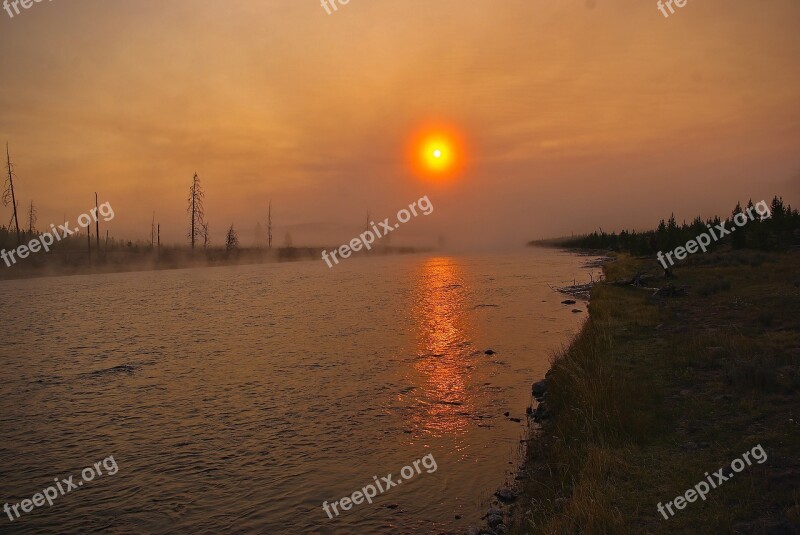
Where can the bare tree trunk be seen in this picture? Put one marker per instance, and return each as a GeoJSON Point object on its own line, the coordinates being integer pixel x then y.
{"type": "Point", "coordinates": [194, 205]}
{"type": "Point", "coordinates": [195, 209]}
{"type": "Point", "coordinates": [13, 197]}
{"type": "Point", "coordinates": [31, 219]}
{"type": "Point", "coordinates": [89, 242]}
{"type": "Point", "coordinates": [269, 227]}
{"type": "Point", "coordinates": [97, 221]}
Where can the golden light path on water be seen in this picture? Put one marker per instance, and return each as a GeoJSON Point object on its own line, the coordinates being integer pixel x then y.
{"type": "Point", "coordinates": [441, 370]}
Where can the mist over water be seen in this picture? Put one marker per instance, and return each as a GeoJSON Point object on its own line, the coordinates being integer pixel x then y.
{"type": "Point", "coordinates": [239, 399]}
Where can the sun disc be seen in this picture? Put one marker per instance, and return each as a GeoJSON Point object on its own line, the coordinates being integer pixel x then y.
{"type": "Point", "coordinates": [436, 151]}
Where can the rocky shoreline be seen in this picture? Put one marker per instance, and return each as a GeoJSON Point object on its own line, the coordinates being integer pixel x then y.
{"type": "Point", "coordinates": [499, 515]}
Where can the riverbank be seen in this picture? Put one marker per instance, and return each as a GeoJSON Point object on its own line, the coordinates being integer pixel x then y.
{"type": "Point", "coordinates": [655, 392]}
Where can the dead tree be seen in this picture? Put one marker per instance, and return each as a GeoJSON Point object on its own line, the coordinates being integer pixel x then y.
{"type": "Point", "coordinates": [231, 239]}
{"type": "Point", "coordinates": [195, 209]}
{"type": "Point", "coordinates": [269, 227]}
{"type": "Point", "coordinates": [32, 218]}
{"type": "Point", "coordinates": [97, 221]}
{"type": "Point", "coordinates": [9, 196]}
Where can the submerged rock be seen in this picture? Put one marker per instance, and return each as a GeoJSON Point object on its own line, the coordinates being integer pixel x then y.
{"type": "Point", "coordinates": [489, 352]}
{"type": "Point", "coordinates": [568, 302]}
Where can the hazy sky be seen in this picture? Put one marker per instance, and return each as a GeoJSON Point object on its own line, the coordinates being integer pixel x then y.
{"type": "Point", "coordinates": [577, 113]}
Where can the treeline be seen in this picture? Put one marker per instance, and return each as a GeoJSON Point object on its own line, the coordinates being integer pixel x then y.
{"type": "Point", "coordinates": [77, 242]}
{"type": "Point", "coordinates": [777, 231]}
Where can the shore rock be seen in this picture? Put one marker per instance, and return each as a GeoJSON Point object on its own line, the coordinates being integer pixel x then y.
{"type": "Point", "coordinates": [539, 389]}
{"type": "Point", "coordinates": [541, 413]}
{"type": "Point", "coordinates": [494, 521]}
{"type": "Point", "coordinates": [506, 495]}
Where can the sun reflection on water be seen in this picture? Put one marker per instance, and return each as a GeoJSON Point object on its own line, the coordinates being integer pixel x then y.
{"type": "Point", "coordinates": [441, 370]}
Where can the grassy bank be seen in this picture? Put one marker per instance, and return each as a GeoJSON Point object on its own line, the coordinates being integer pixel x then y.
{"type": "Point", "coordinates": [655, 392]}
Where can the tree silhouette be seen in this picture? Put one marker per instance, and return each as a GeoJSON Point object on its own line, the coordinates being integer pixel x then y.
{"type": "Point", "coordinates": [195, 209]}
{"type": "Point", "coordinates": [269, 227]}
{"type": "Point", "coordinates": [231, 239]}
{"type": "Point", "coordinates": [205, 235]}
{"type": "Point", "coordinates": [9, 197]}
{"type": "Point", "coordinates": [779, 230]}
{"type": "Point", "coordinates": [32, 218]}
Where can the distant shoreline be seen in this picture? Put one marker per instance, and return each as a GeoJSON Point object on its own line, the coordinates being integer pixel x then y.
{"type": "Point", "coordinates": [138, 259]}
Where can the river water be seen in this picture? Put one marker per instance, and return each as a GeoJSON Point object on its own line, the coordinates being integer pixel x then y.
{"type": "Point", "coordinates": [239, 399]}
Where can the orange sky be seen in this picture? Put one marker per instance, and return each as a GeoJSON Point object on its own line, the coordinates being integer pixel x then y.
{"type": "Point", "coordinates": [577, 113]}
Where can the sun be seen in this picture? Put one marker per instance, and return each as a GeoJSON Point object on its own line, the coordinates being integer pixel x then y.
{"type": "Point", "coordinates": [436, 152]}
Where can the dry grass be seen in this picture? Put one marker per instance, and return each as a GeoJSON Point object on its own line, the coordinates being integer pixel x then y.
{"type": "Point", "coordinates": [652, 394]}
